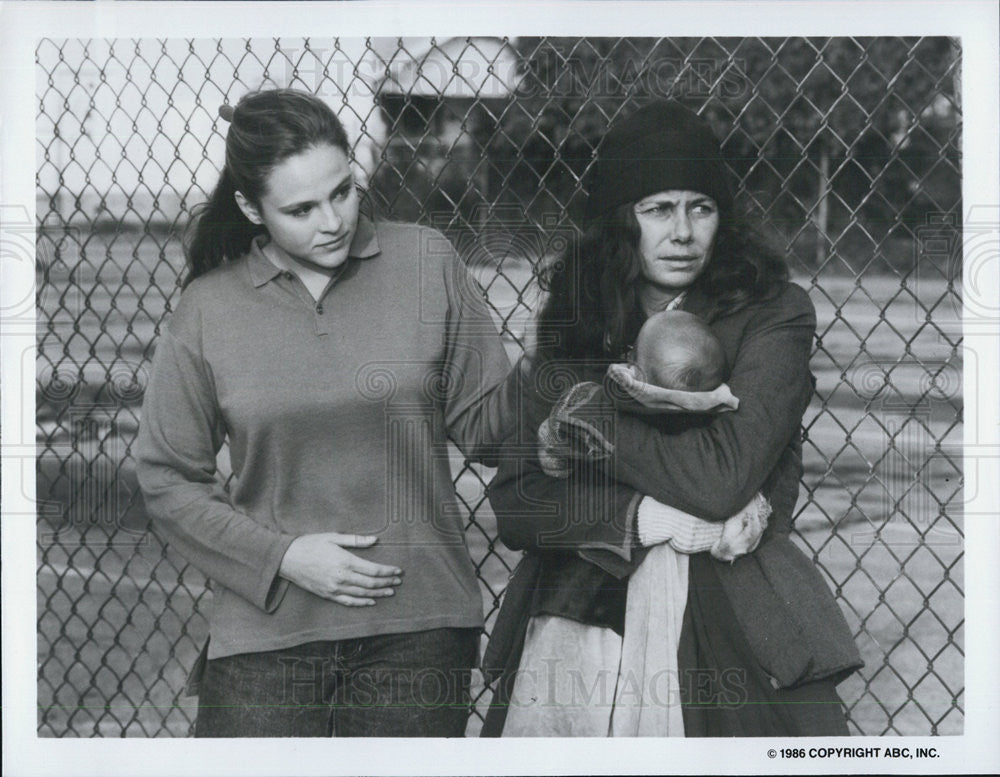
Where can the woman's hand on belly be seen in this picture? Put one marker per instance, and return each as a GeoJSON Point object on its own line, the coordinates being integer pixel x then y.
{"type": "Point", "coordinates": [321, 564]}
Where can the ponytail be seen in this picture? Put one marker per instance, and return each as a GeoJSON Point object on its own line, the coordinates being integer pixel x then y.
{"type": "Point", "coordinates": [220, 232]}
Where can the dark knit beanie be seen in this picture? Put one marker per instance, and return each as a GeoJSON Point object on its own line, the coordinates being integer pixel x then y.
{"type": "Point", "coordinates": [661, 146]}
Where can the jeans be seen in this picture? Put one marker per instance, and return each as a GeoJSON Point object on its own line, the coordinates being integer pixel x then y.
{"type": "Point", "coordinates": [394, 685]}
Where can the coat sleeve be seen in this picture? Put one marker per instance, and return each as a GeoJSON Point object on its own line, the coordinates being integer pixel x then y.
{"type": "Point", "coordinates": [476, 380]}
{"type": "Point", "coordinates": [714, 470]}
{"type": "Point", "coordinates": [180, 434]}
{"type": "Point", "coordinates": [589, 513]}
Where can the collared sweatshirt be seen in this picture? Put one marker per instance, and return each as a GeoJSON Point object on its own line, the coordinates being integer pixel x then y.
{"type": "Point", "coordinates": [337, 413]}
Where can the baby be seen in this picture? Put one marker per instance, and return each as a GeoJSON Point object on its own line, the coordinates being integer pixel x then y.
{"type": "Point", "coordinates": [674, 350]}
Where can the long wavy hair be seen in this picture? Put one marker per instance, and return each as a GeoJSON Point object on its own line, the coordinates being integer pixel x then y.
{"type": "Point", "coordinates": [265, 129]}
{"type": "Point", "coordinates": [592, 311]}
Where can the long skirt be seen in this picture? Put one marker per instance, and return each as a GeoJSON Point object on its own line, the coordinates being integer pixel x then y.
{"type": "Point", "coordinates": [723, 690]}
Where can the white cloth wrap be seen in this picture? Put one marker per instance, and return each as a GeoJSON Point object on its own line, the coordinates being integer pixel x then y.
{"type": "Point", "coordinates": [580, 680]}
{"type": "Point", "coordinates": [647, 700]}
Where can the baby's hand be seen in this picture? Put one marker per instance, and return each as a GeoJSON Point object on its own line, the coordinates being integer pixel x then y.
{"type": "Point", "coordinates": [741, 533]}
{"type": "Point", "coordinates": [553, 451]}
{"type": "Point", "coordinates": [571, 434]}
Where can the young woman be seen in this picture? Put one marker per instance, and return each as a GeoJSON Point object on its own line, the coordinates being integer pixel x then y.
{"type": "Point", "coordinates": [337, 356]}
{"type": "Point", "coordinates": [753, 648]}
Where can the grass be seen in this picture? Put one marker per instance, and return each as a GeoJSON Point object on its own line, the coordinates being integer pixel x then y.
{"type": "Point", "coordinates": [121, 618]}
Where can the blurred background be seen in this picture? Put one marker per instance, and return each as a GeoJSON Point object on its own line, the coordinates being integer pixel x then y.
{"type": "Point", "coordinates": [847, 151]}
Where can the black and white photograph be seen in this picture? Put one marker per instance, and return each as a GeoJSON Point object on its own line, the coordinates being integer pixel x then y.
{"type": "Point", "coordinates": [569, 374]}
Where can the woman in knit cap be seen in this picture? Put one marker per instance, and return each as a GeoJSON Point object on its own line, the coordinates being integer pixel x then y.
{"type": "Point", "coordinates": [595, 638]}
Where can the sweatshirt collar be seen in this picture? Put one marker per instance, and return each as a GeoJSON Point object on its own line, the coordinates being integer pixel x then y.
{"type": "Point", "coordinates": [364, 245]}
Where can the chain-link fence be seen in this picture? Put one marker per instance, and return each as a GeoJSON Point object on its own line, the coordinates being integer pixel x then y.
{"type": "Point", "coordinates": [846, 149]}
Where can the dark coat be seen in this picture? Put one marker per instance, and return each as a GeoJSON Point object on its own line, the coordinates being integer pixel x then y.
{"type": "Point", "coordinates": [580, 534]}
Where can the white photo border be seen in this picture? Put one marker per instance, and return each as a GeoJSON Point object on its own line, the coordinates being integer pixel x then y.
{"type": "Point", "coordinates": [24, 753]}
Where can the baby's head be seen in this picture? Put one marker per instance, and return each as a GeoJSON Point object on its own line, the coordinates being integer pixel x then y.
{"type": "Point", "coordinates": [677, 350]}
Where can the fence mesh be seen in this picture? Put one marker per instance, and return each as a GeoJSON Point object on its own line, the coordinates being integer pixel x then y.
{"type": "Point", "coordinates": [846, 149]}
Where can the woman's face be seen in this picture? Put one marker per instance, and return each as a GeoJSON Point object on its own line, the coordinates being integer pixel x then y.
{"type": "Point", "coordinates": [309, 207]}
{"type": "Point", "coordinates": [678, 233]}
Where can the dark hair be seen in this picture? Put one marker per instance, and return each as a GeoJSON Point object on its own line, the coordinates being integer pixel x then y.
{"type": "Point", "coordinates": [265, 128]}
{"type": "Point", "coordinates": [592, 311]}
